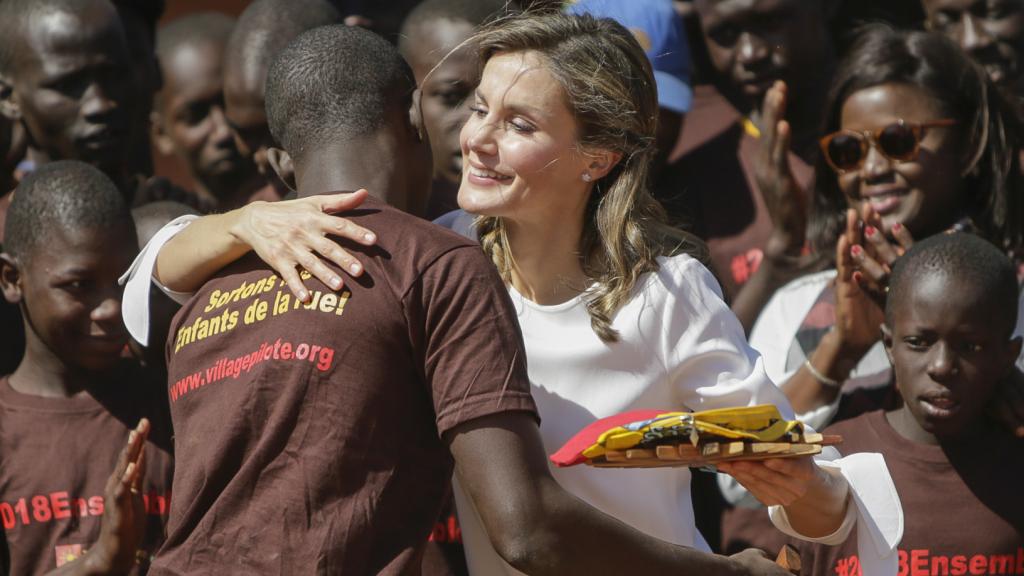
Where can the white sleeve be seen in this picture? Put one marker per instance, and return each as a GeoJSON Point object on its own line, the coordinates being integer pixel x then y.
{"type": "Point", "coordinates": [706, 353]}
{"type": "Point", "coordinates": [713, 366]}
{"type": "Point", "coordinates": [874, 508]}
{"type": "Point", "coordinates": [139, 277]}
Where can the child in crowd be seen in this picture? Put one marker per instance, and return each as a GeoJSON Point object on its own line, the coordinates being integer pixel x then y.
{"type": "Point", "coordinates": [991, 32]}
{"type": "Point", "coordinates": [67, 408]}
{"type": "Point", "coordinates": [752, 45]}
{"type": "Point", "coordinates": [446, 77]}
{"type": "Point", "coordinates": [262, 30]}
{"type": "Point", "coordinates": [65, 74]}
{"type": "Point", "coordinates": [948, 331]}
{"type": "Point", "coordinates": [189, 120]}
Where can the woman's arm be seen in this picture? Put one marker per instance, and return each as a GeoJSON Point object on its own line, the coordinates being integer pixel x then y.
{"type": "Point", "coordinates": [284, 234]}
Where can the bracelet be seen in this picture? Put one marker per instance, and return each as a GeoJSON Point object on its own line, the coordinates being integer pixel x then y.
{"type": "Point", "coordinates": [825, 380]}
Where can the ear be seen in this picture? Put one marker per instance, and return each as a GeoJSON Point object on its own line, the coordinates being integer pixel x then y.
{"type": "Point", "coordinates": [161, 139]}
{"type": "Point", "coordinates": [8, 103]}
{"type": "Point", "coordinates": [416, 114]}
{"type": "Point", "coordinates": [282, 164]}
{"type": "Point", "coordinates": [10, 278]}
{"type": "Point", "coordinates": [887, 341]}
{"type": "Point", "coordinates": [601, 162]}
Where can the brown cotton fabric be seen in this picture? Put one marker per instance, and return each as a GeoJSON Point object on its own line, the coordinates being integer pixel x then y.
{"type": "Point", "coordinates": [56, 455]}
{"type": "Point", "coordinates": [309, 436]}
{"type": "Point", "coordinates": [962, 504]}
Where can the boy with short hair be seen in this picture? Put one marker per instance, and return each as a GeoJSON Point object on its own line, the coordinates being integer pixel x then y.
{"type": "Point", "coordinates": [948, 331]}
{"type": "Point", "coordinates": [446, 76]}
{"type": "Point", "coordinates": [65, 74]}
{"type": "Point", "coordinates": [189, 113]}
{"type": "Point", "coordinates": [66, 410]}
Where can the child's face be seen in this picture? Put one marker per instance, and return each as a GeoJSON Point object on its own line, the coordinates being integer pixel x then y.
{"type": "Point", "coordinates": [70, 295]}
{"type": "Point", "coordinates": [192, 120]}
{"type": "Point", "coordinates": [949, 350]}
{"type": "Point", "coordinates": [446, 89]}
{"type": "Point", "coordinates": [753, 43]}
{"type": "Point", "coordinates": [74, 84]}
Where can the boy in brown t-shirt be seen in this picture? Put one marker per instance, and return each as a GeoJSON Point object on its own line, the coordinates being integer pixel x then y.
{"type": "Point", "coordinates": [948, 331]}
{"type": "Point", "coordinates": [318, 436]}
{"type": "Point", "coordinates": [67, 409]}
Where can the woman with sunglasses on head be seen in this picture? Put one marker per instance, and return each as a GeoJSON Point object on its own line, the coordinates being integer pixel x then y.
{"type": "Point", "coordinates": [919, 141]}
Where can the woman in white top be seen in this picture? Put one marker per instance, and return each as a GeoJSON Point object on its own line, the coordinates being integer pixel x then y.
{"type": "Point", "coordinates": [556, 156]}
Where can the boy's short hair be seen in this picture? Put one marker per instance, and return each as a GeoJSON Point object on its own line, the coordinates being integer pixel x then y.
{"type": "Point", "coordinates": [267, 26]}
{"type": "Point", "coordinates": [959, 255]}
{"type": "Point", "coordinates": [476, 12]}
{"type": "Point", "coordinates": [14, 17]}
{"type": "Point", "coordinates": [65, 194]}
{"type": "Point", "coordinates": [334, 83]}
{"type": "Point", "coordinates": [192, 28]}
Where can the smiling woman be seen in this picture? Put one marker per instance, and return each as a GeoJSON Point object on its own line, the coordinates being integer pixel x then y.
{"type": "Point", "coordinates": [918, 140]}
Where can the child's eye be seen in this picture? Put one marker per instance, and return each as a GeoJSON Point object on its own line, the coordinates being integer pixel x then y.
{"type": "Point", "coordinates": [478, 110]}
{"type": "Point", "coordinates": [915, 343]}
{"type": "Point", "coordinates": [972, 347]}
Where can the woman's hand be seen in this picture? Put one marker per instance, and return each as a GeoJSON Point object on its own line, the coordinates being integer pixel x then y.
{"type": "Point", "coordinates": [124, 513]}
{"type": "Point", "coordinates": [858, 314]}
{"type": "Point", "coordinates": [785, 200]}
{"type": "Point", "coordinates": [294, 233]}
{"type": "Point", "coordinates": [875, 254]}
{"type": "Point", "coordinates": [814, 500]}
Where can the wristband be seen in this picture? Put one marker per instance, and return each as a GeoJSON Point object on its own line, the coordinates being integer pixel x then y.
{"type": "Point", "coordinates": [821, 378]}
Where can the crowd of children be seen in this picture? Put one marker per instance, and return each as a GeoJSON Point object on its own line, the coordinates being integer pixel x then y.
{"type": "Point", "coordinates": [416, 246]}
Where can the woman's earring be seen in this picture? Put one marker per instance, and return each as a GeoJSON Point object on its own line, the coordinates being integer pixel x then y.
{"type": "Point", "coordinates": [587, 177]}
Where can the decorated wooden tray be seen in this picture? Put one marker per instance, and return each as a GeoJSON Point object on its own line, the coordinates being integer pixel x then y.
{"type": "Point", "coordinates": [655, 439]}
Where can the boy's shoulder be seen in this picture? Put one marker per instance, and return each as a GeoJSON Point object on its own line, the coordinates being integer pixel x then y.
{"type": "Point", "coordinates": [867, 432]}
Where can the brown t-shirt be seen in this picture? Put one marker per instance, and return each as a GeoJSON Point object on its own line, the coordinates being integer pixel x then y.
{"type": "Point", "coordinates": [309, 436]}
{"type": "Point", "coordinates": [962, 505]}
{"type": "Point", "coordinates": [712, 188]}
{"type": "Point", "coordinates": [56, 455]}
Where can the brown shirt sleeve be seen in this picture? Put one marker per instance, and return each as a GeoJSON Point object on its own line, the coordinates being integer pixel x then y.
{"type": "Point", "coordinates": [463, 326]}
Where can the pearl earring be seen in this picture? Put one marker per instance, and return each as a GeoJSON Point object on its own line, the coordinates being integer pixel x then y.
{"type": "Point", "coordinates": [587, 177]}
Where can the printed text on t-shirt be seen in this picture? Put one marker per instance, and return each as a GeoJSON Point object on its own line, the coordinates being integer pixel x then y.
{"type": "Point", "coordinates": [60, 506]}
{"type": "Point", "coordinates": [216, 317]}
{"type": "Point", "coordinates": [320, 356]}
{"type": "Point", "coordinates": [921, 562]}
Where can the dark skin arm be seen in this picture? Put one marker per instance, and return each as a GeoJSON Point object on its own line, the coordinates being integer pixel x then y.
{"type": "Point", "coordinates": [539, 528]}
{"type": "Point", "coordinates": [786, 203]}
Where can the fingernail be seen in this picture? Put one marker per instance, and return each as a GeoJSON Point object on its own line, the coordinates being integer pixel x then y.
{"type": "Point", "coordinates": [869, 231]}
{"type": "Point", "coordinates": [370, 238]}
{"type": "Point", "coordinates": [897, 227]}
{"type": "Point", "coordinates": [857, 277]}
{"type": "Point", "coordinates": [303, 295]}
{"type": "Point", "coordinates": [356, 268]}
{"type": "Point", "coordinates": [131, 436]}
{"type": "Point", "coordinates": [335, 282]}
{"type": "Point", "coordinates": [856, 250]}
